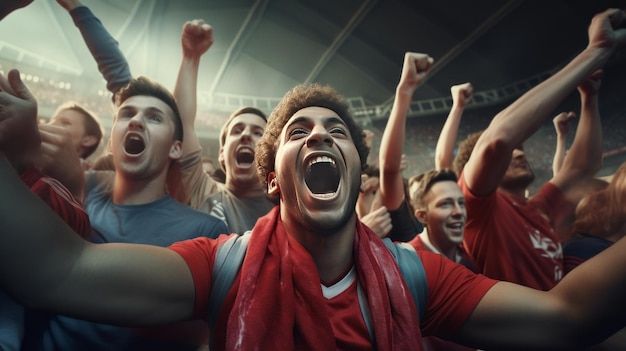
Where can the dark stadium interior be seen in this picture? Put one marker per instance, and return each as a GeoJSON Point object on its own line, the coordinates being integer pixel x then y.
{"type": "Point", "coordinates": [263, 48]}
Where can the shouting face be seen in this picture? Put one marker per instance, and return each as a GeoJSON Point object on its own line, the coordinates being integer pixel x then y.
{"type": "Point", "coordinates": [142, 137]}
{"type": "Point", "coordinates": [317, 170]}
{"type": "Point", "coordinates": [237, 154]}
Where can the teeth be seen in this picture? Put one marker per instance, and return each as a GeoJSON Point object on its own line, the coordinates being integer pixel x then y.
{"type": "Point", "coordinates": [319, 159]}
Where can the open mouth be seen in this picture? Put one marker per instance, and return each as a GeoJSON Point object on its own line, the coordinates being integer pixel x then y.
{"type": "Point", "coordinates": [245, 157]}
{"type": "Point", "coordinates": [322, 175]}
{"type": "Point", "coordinates": [134, 145]}
{"type": "Point", "coordinates": [457, 226]}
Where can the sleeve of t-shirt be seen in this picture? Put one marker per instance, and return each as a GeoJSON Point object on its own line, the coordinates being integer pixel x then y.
{"type": "Point", "coordinates": [453, 293]}
{"type": "Point", "coordinates": [199, 254]}
{"type": "Point", "coordinates": [195, 184]}
{"type": "Point", "coordinates": [59, 199]}
{"type": "Point", "coordinates": [103, 47]}
{"type": "Point", "coordinates": [476, 208]}
{"type": "Point", "coordinates": [476, 205]}
{"type": "Point", "coordinates": [404, 226]}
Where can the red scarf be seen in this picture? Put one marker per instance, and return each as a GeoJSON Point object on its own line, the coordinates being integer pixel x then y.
{"type": "Point", "coordinates": [280, 291]}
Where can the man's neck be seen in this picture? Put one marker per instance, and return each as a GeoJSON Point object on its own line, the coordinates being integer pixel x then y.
{"type": "Point", "coordinates": [245, 189]}
{"type": "Point", "coordinates": [442, 247]}
{"type": "Point", "coordinates": [332, 253]}
{"type": "Point", "coordinates": [521, 192]}
{"type": "Point", "coordinates": [137, 192]}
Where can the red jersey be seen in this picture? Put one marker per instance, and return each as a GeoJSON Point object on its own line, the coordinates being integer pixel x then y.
{"type": "Point", "coordinates": [453, 293]}
{"type": "Point", "coordinates": [59, 199]}
{"type": "Point", "coordinates": [513, 239]}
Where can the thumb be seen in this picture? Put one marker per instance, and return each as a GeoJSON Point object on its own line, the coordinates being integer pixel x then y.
{"type": "Point", "coordinates": [19, 88]}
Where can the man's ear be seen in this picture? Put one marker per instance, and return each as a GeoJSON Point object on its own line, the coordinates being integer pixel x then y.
{"type": "Point", "coordinates": [272, 184]}
{"type": "Point", "coordinates": [421, 216]}
{"type": "Point", "coordinates": [176, 151]}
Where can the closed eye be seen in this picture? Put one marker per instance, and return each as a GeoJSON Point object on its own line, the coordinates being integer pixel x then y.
{"type": "Point", "coordinates": [337, 130]}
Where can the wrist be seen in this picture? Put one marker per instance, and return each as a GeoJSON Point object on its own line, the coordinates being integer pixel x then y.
{"type": "Point", "coordinates": [403, 90]}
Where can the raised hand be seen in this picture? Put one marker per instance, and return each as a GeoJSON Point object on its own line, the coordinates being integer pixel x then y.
{"type": "Point", "coordinates": [562, 122]}
{"type": "Point", "coordinates": [414, 70]}
{"type": "Point", "coordinates": [197, 38]}
{"type": "Point", "coordinates": [461, 94]}
{"type": "Point", "coordinates": [378, 221]}
{"type": "Point", "coordinates": [19, 136]}
{"type": "Point", "coordinates": [607, 30]}
{"type": "Point", "coordinates": [591, 86]}
{"type": "Point", "coordinates": [58, 158]}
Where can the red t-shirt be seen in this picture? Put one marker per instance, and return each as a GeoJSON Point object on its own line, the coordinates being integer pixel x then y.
{"type": "Point", "coordinates": [59, 199]}
{"type": "Point", "coordinates": [513, 239]}
{"type": "Point", "coordinates": [453, 293]}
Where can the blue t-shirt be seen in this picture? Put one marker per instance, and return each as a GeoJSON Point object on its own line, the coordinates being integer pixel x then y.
{"type": "Point", "coordinates": [161, 223]}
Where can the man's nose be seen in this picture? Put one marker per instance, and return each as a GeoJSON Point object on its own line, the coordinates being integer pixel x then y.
{"type": "Point", "coordinates": [319, 135]}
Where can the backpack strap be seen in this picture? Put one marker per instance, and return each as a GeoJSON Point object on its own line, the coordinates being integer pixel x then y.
{"type": "Point", "coordinates": [413, 272]}
{"type": "Point", "coordinates": [228, 260]}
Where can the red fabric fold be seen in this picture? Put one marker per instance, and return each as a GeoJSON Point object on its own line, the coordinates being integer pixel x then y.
{"type": "Point", "coordinates": [280, 291]}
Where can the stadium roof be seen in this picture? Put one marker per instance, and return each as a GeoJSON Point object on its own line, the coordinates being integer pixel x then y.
{"type": "Point", "coordinates": [263, 48]}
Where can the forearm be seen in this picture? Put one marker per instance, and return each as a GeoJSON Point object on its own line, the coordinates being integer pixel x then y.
{"type": "Point", "coordinates": [559, 153]}
{"type": "Point", "coordinates": [44, 264]}
{"type": "Point", "coordinates": [391, 148]}
{"type": "Point", "coordinates": [444, 151]}
{"type": "Point", "coordinates": [596, 301]}
{"type": "Point", "coordinates": [515, 124]}
{"type": "Point", "coordinates": [185, 92]}
{"type": "Point", "coordinates": [586, 149]}
{"type": "Point", "coordinates": [36, 254]}
{"type": "Point", "coordinates": [521, 119]}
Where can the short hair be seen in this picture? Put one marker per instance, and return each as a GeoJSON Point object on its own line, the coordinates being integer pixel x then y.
{"type": "Point", "coordinates": [465, 151]}
{"type": "Point", "coordinates": [425, 182]}
{"type": "Point", "coordinates": [302, 96]}
{"type": "Point", "coordinates": [147, 87]}
{"type": "Point", "coordinates": [90, 122]}
{"type": "Point", "coordinates": [241, 111]}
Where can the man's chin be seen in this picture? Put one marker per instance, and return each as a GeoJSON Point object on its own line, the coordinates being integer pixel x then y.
{"type": "Point", "coordinates": [519, 182]}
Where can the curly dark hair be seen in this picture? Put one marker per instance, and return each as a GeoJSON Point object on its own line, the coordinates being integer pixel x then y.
{"type": "Point", "coordinates": [302, 96]}
{"type": "Point", "coordinates": [465, 150]}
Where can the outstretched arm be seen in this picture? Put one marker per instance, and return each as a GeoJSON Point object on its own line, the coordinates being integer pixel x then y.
{"type": "Point", "coordinates": [103, 47]}
{"type": "Point", "coordinates": [133, 284]}
{"type": "Point", "coordinates": [444, 152]}
{"type": "Point", "coordinates": [561, 126]}
{"type": "Point", "coordinates": [581, 310]}
{"type": "Point", "coordinates": [511, 127]}
{"type": "Point", "coordinates": [414, 71]}
{"type": "Point", "coordinates": [197, 38]}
